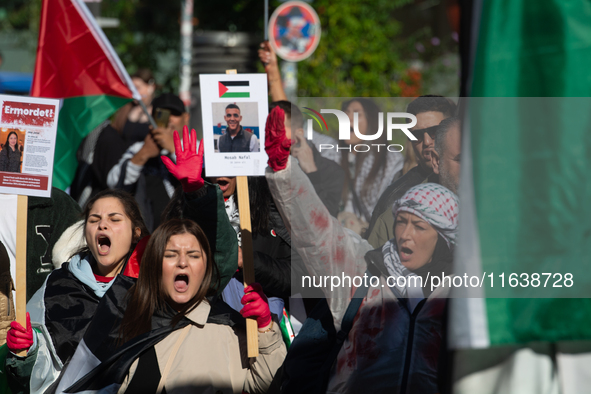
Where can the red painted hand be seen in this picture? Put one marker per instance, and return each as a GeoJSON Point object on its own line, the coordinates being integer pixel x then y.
{"type": "Point", "coordinates": [276, 143]}
{"type": "Point", "coordinates": [18, 337]}
{"type": "Point", "coordinates": [256, 305]}
{"type": "Point", "coordinates": [189, 163]}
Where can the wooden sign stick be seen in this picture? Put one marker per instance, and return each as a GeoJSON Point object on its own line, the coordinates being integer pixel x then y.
{"type": "Point", "coordinates": [252, 333]}
{"type": "Point", "coordinates": [21, 262]}
{"type": "Point", "coordinates": [247, 259]}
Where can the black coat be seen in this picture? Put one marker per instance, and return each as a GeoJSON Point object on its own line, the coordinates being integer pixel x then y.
{"type": "Point", "coordinates": [275, 267]}
{"type": "Point", "coordinates": [10, 161]}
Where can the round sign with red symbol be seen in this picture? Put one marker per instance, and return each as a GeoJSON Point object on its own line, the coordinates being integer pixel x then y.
{"type": "Point", "coordinates": [294, 31]}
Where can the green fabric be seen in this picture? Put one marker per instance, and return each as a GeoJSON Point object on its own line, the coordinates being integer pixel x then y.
{"type": "Point", "coordinates": [286, 328]}
{"type": "Point", "coordinates": [4, 389]}
{"type": "Point", "coordinates": [531, 176]}
{"type": "Point", "coordinates": [78, 117]}
{"type": "Point", "coordinates": [18, 369]}
{"type": "Point", "coordinates": [206, 207]}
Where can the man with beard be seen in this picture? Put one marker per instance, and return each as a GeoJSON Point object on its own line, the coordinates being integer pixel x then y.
{"type": "Point", "coordinates": [236, 139]}
{"type": "Point", "coordinates": [445, 158]}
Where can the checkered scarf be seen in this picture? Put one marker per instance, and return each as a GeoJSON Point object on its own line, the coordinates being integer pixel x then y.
{"type": "Point", "coordinates": [385, 176]}
{"type": "Point", "coordinates": [436, 205]}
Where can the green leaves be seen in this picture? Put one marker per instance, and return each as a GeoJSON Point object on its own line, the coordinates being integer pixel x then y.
{"type": "Point", "coordinates": [359, 53]}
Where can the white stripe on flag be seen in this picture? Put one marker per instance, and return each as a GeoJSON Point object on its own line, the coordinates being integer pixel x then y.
{"type": "Point", "coordinates": [468, 322]}
{"type": "Point", "coordinates": [83, 361]}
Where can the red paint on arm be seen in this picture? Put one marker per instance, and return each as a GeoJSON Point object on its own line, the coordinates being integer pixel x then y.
{"type": "Point", "coordinates": [319, 219]}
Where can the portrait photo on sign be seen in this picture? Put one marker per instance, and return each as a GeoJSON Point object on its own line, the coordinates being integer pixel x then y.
{"type": "Point", "coordinates": [236, 127]}
{"type": "Point", "coordinates": [235, 109]}
{"type": "Point", "coordinates": [12, 145]}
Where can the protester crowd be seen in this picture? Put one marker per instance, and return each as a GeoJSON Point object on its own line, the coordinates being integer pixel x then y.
{"type": "Point", "coordinates": [138, 313]}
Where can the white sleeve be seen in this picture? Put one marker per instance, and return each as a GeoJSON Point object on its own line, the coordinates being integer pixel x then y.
{"type": "Point", "coordinates": [132, 172]}
{"type": "Point", "coordinates": [326, 248]}
{"type": "Point", "coordinates": [254, 144]}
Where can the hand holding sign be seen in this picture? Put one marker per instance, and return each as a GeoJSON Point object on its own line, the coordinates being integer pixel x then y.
{"type": "Point", "coordinates": [18, 337]}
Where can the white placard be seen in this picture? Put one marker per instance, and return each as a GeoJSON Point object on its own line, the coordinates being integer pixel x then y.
{"type": "Point", "coordinates": [235, 109]}
{"type": "Point", "coordinates": [26, 167]}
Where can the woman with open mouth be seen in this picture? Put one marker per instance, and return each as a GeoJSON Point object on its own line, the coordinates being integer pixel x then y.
{"type": "Point", "coordinates": [61, 310]}
{"type": "Point", "coordinates": [392, 339]}
{"type": "Point", "coordinates": [192, 353]}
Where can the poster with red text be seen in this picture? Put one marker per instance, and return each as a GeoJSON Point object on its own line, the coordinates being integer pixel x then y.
{"type": "Point", "coordinates": [28, 127]}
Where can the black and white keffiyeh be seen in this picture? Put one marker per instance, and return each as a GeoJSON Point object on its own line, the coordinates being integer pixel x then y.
{"type": "Point", "coordinates": [385, 176]}
{"type": "Point", "coordinates": [433, 203]}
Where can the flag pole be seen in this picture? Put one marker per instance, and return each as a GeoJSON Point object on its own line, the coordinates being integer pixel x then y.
{"type": "Point", "coordinates": [252, 333]}
{"type": "Point", "coordinates": [266, 35]}
{"type": "Point", "coordinates": [150, 118]}
{"type": "Point", "coordinates": [21, 263]}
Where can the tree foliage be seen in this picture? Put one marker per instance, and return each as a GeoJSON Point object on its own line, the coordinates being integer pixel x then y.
{"type": "Point", "coordinates": [148, 29]}
{"type": "Point", "coordinates": [359, 53]}
{"type": "Point", "coordinates": [362, 51]}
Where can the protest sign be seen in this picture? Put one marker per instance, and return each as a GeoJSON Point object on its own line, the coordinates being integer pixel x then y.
{"type": "Point", "coordinates": [28, 127]}
{"type": "Point", "coordinates": [235, 108]}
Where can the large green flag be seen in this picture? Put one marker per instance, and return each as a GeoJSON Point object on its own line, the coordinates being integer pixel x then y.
{"type": "Point", "coordinates": [526, 185]}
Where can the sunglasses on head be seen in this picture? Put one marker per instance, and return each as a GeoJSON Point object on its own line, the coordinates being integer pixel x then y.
{"type": "Point", "coordinates": [420, 134]}
{"type": "Point", "coordinates": [232, 115]}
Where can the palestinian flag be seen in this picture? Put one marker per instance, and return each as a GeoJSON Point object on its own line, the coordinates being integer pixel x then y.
{"type": "Point", "coordinates": [100, 363]}
{"type": "Point", "coordinates": [525, 176]}
{"type": "Point", "coordinates": [76, 63]}
{"type": "Point", "coordinates": [234, 89]}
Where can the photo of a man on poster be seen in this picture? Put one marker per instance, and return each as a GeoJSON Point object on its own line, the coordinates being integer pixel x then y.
{"type": "Point", "coordinates": [236, 138]}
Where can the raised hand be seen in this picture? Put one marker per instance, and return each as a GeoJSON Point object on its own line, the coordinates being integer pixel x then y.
{"type": "Point", "coordinates": [18, 337]}
{"type": "Point", "coordinates": [256, 305]}
{"type": "Point", "coordinates": [276, 143]}
{"type": "Point", "coordinates": [189, 163]}
{"type": "Point", "coordinates": [302, 151]}
{"type": "Point", "coordinates": [267, 55]}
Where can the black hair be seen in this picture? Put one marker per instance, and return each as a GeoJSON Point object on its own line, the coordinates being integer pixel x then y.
{"type": "Point", "coordinates": [145, 74]}
{"type": "Point", "coordinates": [433, 103]}
{"type": "Point", "coordinates": [442, 129]}
{"type": "Point", "coordinates": [132, 211]}
{"type": "Point", "coordinates": [371, 114]}
{"type": "Point", "coordinates": [292, 111]}
{"type": "Point", "coordinates": [7, 138]}
{"type": "Point", "coordinates": [233, 106]}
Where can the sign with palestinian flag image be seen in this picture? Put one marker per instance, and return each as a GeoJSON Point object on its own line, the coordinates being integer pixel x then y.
{"type": "Point", "coordinates": [234, 89]}
{"type": "Point", "coordinates": [235, 109]}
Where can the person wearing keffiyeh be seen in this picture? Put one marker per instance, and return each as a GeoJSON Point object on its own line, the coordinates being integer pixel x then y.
{"type": "Point", "coordinates": [437, 207]}
{"type": "Point", "coordinates": [394, 343]}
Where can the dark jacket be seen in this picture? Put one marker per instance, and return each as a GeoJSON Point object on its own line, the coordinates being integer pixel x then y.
{"type": "Point", "coordinates": [10, 161]}
{"type": "Point", "coordinates": [149, 190]}
{"type": "Point", "coordinates": [65, 305]}
{"type": "Point", "coordinates": [97, 154]}
{"type": "Point", "coordinates": [47, 219]}
{"type": "Point", "coordinates": [277, 268]}
{"type": "Point", "coordinates": [240, 143]}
